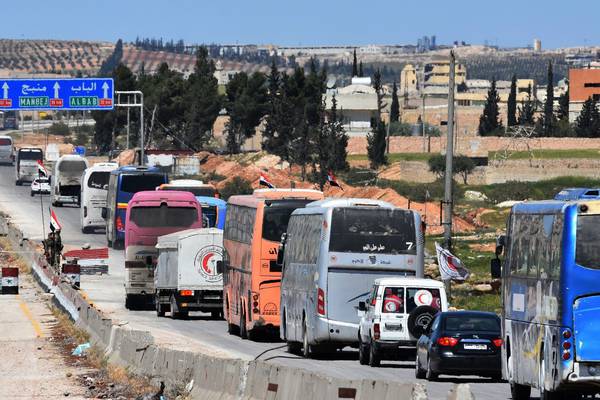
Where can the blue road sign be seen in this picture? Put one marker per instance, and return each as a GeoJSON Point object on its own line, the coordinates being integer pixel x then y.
{"type": "Point", "coordinates": [57, 94]}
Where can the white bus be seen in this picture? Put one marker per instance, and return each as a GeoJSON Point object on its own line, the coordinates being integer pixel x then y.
{"type": "Point", "coordinates": [94, 190]}
{"type": "Point", "coordinates": [7, 150]}
{"type": "Point", "coordinates": [26, 165]}
{"type": "Point", "coordinates": [198, 188]}
{"type": "Point", "coordinates": [333, 251]}
{"type": "Point", "coordinates": [66, 180]}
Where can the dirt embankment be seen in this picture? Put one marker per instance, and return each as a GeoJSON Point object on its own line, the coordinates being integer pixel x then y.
{"type": "Point", "coordinates": [250, 166]}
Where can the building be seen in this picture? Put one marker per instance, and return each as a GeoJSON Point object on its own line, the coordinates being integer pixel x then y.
{"type": "Point", "coordinates": [408, 80]}
{"type": "Point", "coordinates": [437, 73]}
{"type": "Point", "coordinates": [357, 103]}
{"type": "Point", "coordinates": [583, 84]}
{"type": "Point", "coordinates": [537, 45]}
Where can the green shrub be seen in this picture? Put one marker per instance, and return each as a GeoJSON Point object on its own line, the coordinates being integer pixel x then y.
{"type": "Point", "coordinates": [59, 128]}
{"type": "Point", "coordinates": [236, 186]}
{"type": "Point", "coordinates": [419, 191]}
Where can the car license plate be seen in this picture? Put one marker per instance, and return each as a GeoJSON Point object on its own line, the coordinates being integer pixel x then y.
{"type": "Point", "coordinates": [475, 347]}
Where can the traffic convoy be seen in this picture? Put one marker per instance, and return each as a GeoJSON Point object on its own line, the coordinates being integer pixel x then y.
{"type": "Point", "coordinates": [327, 273]}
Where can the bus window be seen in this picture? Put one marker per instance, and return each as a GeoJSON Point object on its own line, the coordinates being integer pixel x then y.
{"type": "Point", "coordinates": [210, 212]}
{"type": "Point", "coordinates": [275, 221]}
{"type": "Point", "coordinates": [555, 247]}
{"type": "Point", "coordinates": [368, 230]}
{"type": "Point", "coordinates": [5, 142]}
{"type": "Point", "coordinates": [98, 180]}
{"type": "Point", "coordinates": [139, 183]}
{"type": "Point", "coordinates": [587, 250]}
{"type": "Point", "coordinates": [163, 216]}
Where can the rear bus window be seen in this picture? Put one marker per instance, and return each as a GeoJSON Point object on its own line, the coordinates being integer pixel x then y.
{"type": "Point", "coordinates": [163, 217]}
{"type": "Point", "coordinates": [587, 249]}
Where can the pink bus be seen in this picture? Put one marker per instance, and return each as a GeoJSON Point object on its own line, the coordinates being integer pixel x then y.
{"type": "Point", "coordinates": [151, 214]}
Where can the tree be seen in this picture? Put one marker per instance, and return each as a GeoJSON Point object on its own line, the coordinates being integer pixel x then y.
{"type": "Point", "coordinates": [489, 123]}
{"type": "Point", "coordinates": [563, 107]}
{"type": "Point", "coordinates": [271, 140]}
{"type": "Point", "coordinates": [376, 144]}
{"type": "Point", "coordinates": [395, 107]}
{"type": "Point", "coordinates": [378, 86]}
{"type": "Point", "coordinates": [549, 121]}
{"type": "Point", "coordinates": [113, 60]}
{"type": "Point", "coordinates": [588, 121]}
{"type": "Point", "coordinates": [527, 110]}
{"type": "Point", "coordinates": [203, 99]}
{"type": "Point", "coordinates": [511, 114]}
{"type": "Point", "coordinates": [462, 165]}
{"type": "Point", "coordinates": [354, 65]}
{"type": "Point", "coordinates": [360, 70]}
{"type": "Point", "coordinates": [246, 105]}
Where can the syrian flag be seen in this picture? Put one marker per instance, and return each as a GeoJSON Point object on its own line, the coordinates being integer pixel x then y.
{"type": "Point", "coordinates": [450, 266]}
{"type": "Point", "coordinates": [332, 181]}
{"type": "Point", "coordinates": [264, 181]}
{"type": "Point", "coordinates": [54, 224]}
{"type": "Point", "coordinates": [42, 171]}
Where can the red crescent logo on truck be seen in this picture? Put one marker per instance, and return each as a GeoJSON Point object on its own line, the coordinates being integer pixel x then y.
{"type": "Point", "coordinates": [205, 263]}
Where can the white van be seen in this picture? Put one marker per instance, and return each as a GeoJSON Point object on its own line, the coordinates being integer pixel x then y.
{"type": "Point", "coordinates": [66, 180]}
{"type": "Point", "coordinates": [395, 315]}
{"type": "Point", "coordinates": [7, 150]}
{"type": "Point", "coordinates": [332, 252]}
{"type": "Point", "coordinates": [27, 164]}
{"type": "Point", "coordinates": [94, 190]}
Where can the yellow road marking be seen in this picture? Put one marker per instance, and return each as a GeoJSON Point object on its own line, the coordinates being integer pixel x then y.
{"type": "Point", "coordinates": [83, 294]}
{"type": "Point", "coordinates": [36, 326]}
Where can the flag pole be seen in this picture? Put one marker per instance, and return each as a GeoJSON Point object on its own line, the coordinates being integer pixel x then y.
{"type": "Point", "coordinates": [42, 210]}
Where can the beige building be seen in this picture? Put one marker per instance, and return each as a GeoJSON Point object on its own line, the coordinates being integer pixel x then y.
{"type": "Point", "coordinates": [408, 80]}
{"type": "Point", "coordinates": [437, 73]}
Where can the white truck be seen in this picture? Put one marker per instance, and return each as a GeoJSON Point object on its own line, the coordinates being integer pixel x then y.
{"type": "Point", "coordinates": [189, 273]}
{"type": "Point", "coordinates": [396, 313]}
{"type": "Point", "coordinates": [66, 180]}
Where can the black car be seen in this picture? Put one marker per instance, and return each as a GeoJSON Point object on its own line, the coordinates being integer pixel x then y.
{"type": "Point", "coordinates": [460, 343]}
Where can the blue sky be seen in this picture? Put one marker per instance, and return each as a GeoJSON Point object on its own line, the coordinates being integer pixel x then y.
{"type": "Point", "coordinates": [307, 22]}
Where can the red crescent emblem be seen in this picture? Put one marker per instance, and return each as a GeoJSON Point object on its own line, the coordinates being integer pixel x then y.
{"type": "Point", "coordinates": [205, 261]}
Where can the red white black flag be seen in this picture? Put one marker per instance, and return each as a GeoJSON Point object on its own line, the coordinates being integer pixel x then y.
{"type": "Point", "coordinates": [264, 181]}
{"type": "Point", "coordinates": [54, 224]}
{"type": "Point", "coordinates": [332, 181]}
{"type": "Point", "coordinates": [451, 268]}
{"type": "Point", "coordinates": [42, 171]}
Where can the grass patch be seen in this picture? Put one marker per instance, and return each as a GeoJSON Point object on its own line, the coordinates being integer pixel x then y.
{"type": "Point", "coordinates": [469, 301]}
{"type": "Point", "coordinates": [496, 218]}
{"type": "Point", "coordinates": [395, 157]}
{"type": "Point", "coordinates": [547, 154]}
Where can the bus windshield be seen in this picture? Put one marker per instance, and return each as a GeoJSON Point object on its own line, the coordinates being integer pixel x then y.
{"type": "Point", "coordinates": [72, 166]}
{"type": "Point", "coordinates": [138, 182]}
{"type": "Point", "coordinates": [163, 217]}
{"type": "Point", "coordinates": [30, 155]}
{"type": "Point", "coordinates": [210, 213]}
{"type": "Point", "coordinates": [98, 179]}
{"type": "Point", "coordinates": [276, 217]}
{"type": "Point", "coordinates": [206, 191]}
{"type": "Point", "coordinates": [363, 230]}
{"type": "Point", "coordinates": [587, 249]}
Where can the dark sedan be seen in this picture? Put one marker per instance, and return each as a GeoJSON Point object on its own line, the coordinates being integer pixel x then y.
{"type": "Point", "coordinates": [460, 343]}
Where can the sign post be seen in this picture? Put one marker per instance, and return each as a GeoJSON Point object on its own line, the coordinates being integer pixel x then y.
{"type": "Point", "coordinates": [57, 94]}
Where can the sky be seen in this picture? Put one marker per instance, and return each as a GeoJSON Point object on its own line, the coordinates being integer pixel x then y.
{"type": "Point", "coordinates": [506, 23]}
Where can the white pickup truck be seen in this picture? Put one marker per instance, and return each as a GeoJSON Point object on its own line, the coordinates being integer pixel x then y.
{"type": "Point", "coordinates": [395, 315]}
{"type": "Point", "coordinates": [188, 275]}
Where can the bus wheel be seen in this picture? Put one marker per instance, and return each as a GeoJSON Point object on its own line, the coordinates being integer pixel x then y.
{"type": "Point", "coordinates": [520, 392]}
{"type": "Point", "coordinates": [243, 327]}
{"type": "Point", "coordinates": [175, 313]}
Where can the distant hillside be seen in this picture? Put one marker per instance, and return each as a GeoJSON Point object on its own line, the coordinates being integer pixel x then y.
{"type": "Point", "coordinates": [52, 56]}
{"type": "Point", "coordinates": [503, 66]}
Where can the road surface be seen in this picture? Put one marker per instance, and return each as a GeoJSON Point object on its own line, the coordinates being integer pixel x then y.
{"type": "Point", "coordinates": [200, 332]}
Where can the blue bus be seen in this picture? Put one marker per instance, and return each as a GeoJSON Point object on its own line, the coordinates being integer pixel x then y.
{"type": "Point", "coordinates": [123, 183]}
{"type": "Point", "coordinates": [551, 299]}
{"type": "Point", "coordinates": [214, 210]}
{"type": "Point", "coordinates": [578, 194]}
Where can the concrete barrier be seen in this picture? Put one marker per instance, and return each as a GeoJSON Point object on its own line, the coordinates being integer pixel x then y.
{"type": "Point", "coordinates": [210, 378]}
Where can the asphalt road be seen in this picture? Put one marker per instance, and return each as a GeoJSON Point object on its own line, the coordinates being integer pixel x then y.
{"type": "Point", "coordinates": [200, 332]}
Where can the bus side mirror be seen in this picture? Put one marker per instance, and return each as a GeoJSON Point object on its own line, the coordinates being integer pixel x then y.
{"type": "Point", "coordinates": [496, 268]}
{"type": "Point", "coordinates": [362, 306]}
{"type": "Point", "coordinates": [500, 243]}
{"type": "Point", "coordinates": [104, 212]}
{"type": "Point", "coordinates": [219, 267]}
{"type": "Point", "coordinates": [281, 251]}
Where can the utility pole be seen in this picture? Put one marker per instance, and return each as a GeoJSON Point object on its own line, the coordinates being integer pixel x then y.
{"type": "Point", "coordinates": [447, 221]}
{"type": "Point", "coordinates": [423, 123]}
{"type": "Point", "coordinates": [142, 139]}
{"type": "Point", "coordinates": [127, 147]}
{"type": "Point", "coordinates": [387, 142]}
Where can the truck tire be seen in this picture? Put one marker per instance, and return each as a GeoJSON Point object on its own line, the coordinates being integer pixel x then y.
{"type": "Point", "coordinates": [175, 313]}
{"type": "Point", "coordinates": [363, 352]}
{"type": "Point", "coordinates": [216, 314]}
{"type": "Point", "coordinates": [129, 302]}
{"type": "Point", "coordinates": [17, 183]}
{"type": "Point", "coordinates": [86, 230]}
{"type": "Point", "coordinates": [160, 308]}
{"type": "Point", "coordinates": [419, 319]}
{"type": "Point", "coordinates": [374, 356]}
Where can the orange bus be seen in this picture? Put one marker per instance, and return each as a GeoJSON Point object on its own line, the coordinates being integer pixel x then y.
{"type": "Point", "coordinates": [251, 276]}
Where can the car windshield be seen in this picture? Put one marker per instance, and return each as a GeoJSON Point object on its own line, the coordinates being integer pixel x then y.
{"type": "Point", "coordinates": [372, 230]}
{"type": "Point", "coordinates": [463, 323]}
